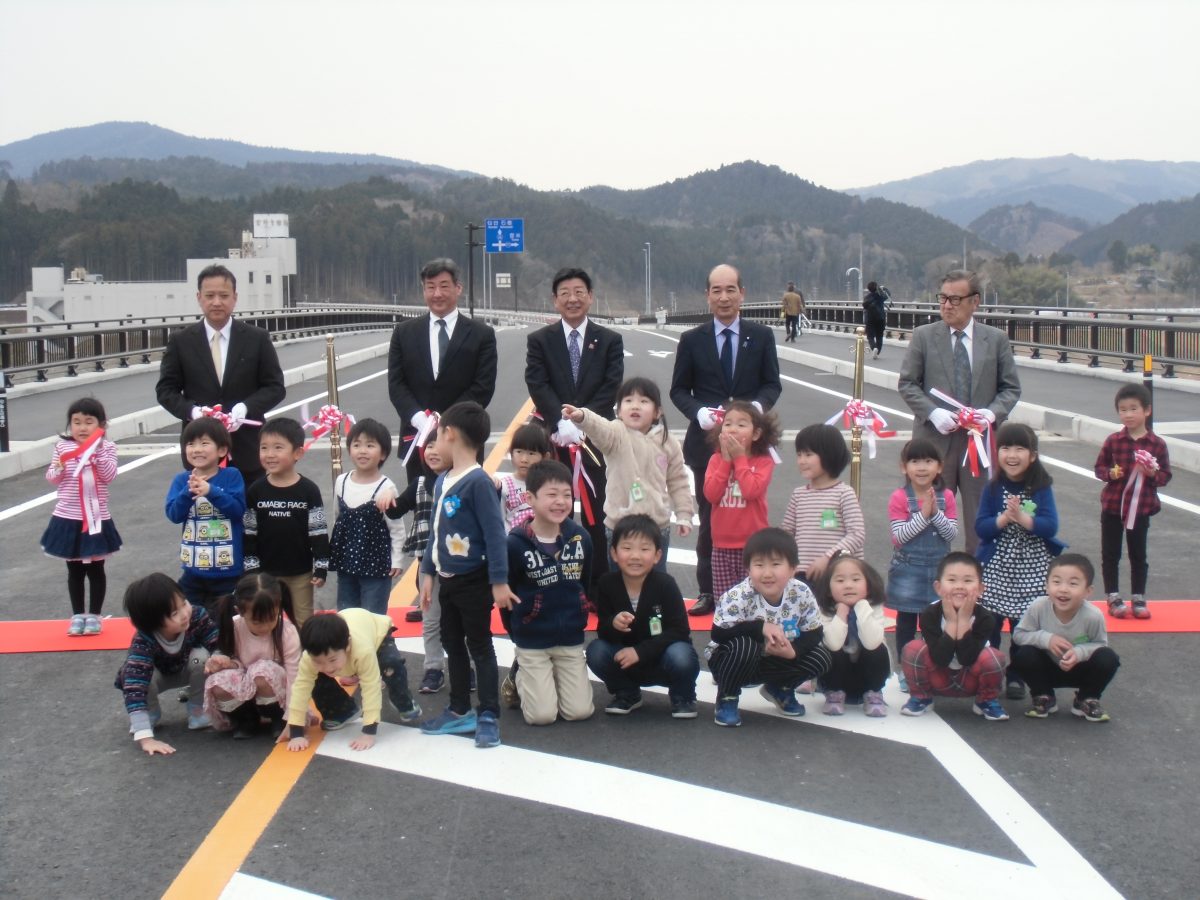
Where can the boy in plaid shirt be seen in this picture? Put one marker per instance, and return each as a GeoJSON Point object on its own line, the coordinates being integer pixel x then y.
{"type": "Point", "coordinates": [1119, 467]}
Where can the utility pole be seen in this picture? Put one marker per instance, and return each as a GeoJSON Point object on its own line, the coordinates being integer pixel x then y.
{"type": "Point", "coordinates": [471, 245]}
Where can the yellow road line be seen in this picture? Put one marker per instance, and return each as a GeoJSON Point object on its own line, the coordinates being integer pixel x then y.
{"type": "Point", "coordinates": [226, 847]}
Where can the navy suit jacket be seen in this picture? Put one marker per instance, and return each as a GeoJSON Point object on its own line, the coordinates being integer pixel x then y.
{"type": "Point", "coordinates": [467, 373]}
{"type": "Point", "coordinates": [187, 378]}
{"type": "Point", "coordinates": [698, 380]}
{"type": "Point", "coordinates": [548, 371]}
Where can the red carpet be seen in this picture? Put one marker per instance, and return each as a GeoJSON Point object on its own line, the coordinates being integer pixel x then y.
{"type": "Point", "coordinates": [50, 635]}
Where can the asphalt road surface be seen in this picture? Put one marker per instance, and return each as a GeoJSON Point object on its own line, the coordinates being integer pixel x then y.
{"type": "Point", "coordinates": [614, 807]}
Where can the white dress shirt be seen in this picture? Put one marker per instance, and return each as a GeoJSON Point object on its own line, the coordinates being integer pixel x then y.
{"type": "Point", "coordinates": [451, 318]}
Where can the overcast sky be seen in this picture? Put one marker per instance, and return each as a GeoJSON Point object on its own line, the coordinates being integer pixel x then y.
{"type": "Point", "coordinates": [564, 94]}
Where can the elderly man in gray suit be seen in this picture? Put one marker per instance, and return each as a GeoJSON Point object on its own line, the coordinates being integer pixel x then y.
{"type": "Point", "coordinates": [971, 362]}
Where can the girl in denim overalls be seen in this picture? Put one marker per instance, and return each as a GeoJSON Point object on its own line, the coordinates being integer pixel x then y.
{"type": "Point", "coordinates": [924, 524]}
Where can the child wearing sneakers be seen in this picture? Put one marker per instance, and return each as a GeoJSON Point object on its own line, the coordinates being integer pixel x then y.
{"type": "Point", "coordinates": [1133, 465]}
{"type": "Point", "coordinates": [355, 646]}
{"type": "Point", "coordinates": [468, 554]}
{"type": "Point", "coordinates": [549, 562]}
{"type": "Point", "coordinates": [642, 632]}
{"type": "Point", "coordinates": [767, 630]}
{"type": "Point", "coordinates": [173, 641]}
{"type": "Point", "coordinates": [951, 656]}
{"type": "Point", "coordinates": [850, 596]}
{"type": "Point", "coordinates": [1061, 641]}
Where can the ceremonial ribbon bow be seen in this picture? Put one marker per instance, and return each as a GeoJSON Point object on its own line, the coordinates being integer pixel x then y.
{"type": "Point", "coordinates": [85, 473]}
{"type": "Point", "coordinates": [1145, 459]}
{"type": "Point", "coordinates": [421, 438]}
{"type": "Point", "coordinates": [231, 424]}
{"type": "Point", "coordinates": [975, 424]}
{"type": "Point", "coordinates": [579, 478]}
{"type": "Point", "coordinates": [327, 419]}
{"type": "Point", "coordinates": [859, 412]}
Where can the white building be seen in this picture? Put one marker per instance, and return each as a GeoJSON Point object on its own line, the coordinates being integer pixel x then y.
{"type": "Point", "coordinates": [262, 265]}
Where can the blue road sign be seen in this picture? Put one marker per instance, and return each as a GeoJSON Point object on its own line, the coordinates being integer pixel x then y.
{"type": "Point", "coordinates": [504, 235]}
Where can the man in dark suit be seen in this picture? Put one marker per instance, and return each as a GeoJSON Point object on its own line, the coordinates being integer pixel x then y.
{"type": "Point", "coordinates": [220, 360]}
{"type": "Point", "coordinates": [725, 359]}
{"type": "Point", "coordinates": [437, 360]}
{"type": "Point", "coordinates": [578, 362]}
{"type": "Point", "coordinates": [971, 362]}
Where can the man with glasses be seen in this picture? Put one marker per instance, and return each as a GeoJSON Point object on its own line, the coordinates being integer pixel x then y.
{"type": "Point", "coordinates": [971, 362]}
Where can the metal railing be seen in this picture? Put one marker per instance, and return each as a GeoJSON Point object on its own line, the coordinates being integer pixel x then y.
{"type": "Point", "coordinates": [1070, 334]}
{"type": "Point", "coordinates": [1094, 337]}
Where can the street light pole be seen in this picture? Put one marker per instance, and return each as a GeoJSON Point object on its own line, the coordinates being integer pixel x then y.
{"type": "Point", "coordinates": [471, 245]}
{"type": "Point", "coordinates": [860, 284]}
{"type": "Point", "coordinates": [649, 292]}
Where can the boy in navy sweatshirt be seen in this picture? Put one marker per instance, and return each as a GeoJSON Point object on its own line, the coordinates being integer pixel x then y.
{"type": "Point", "coordinates": [209, 501]}
{"type": "Point", "coordinates": [549, 562]}
{"type": "Point", "coordinates": [467, 553]}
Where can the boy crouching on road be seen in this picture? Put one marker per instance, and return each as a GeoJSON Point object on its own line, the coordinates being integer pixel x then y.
{"type": "Point", "coordinates": [355, 646]}
{"type": "Point", "coordinates": [1061, 641]}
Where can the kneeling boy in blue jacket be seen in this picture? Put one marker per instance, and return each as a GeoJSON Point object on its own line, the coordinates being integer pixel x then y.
{"type": "Point", "coordinates": [549, 560]}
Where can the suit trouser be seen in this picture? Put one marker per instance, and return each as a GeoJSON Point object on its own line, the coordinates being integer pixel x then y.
{"type": "Point", "coordinates": [704, 544]}
{"type": "Point", "coordinates": [956, 475]}
{"type": "Point", "coordinates": [599, 476]}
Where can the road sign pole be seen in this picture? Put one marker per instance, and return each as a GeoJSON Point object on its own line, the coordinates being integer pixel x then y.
{"type": "Point", "coordinates": [471, 245]}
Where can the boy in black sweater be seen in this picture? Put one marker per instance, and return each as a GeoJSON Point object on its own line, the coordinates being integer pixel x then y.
{"type": "Point", "coordinates": [286, 532]}
{"type": "Point", "coordinates": [642, 632]}
{"type": "Point", "coordinates": [951, 658]}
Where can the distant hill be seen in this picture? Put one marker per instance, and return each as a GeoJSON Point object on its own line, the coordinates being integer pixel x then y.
{"type": "Point", "coordinates": [1028, 228]}
{"type": "Point", "coordinates": [750, 193]}
{"type": "Point", "coordinates": [61, 182]}
{"type": "Point", "coordinates": [1169, 225]}
{"type": "Point", "coordinates": [141, 140]}
{"type": "Point", "coordinates": [1094, 190]}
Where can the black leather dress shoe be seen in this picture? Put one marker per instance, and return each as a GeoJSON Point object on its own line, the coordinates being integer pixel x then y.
{"type": "Point", "coordinates": [703, 606]}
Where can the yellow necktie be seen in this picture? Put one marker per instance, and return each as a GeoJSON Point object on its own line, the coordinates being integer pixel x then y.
{"type": "Point", "coordinates": [215, 346]}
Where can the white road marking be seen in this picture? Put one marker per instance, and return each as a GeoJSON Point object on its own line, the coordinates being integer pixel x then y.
{"type": "Point", "coordinates": [903, 863]}
{"type": "Point", "coordinates": [661, 354]}
{"type": "Point", "coordinates": [247, 887]}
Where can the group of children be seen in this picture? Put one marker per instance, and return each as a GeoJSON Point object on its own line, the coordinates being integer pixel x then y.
{"type": "Point", "coordinates": [798, 608]}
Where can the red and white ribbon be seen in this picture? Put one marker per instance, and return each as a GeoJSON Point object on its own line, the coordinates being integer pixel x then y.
{"type": "Point", "coordinates": [977, 425]}
{"type": "Point", "coordinates": [327, 419]}
{"type": "Point", "coordinates": [85, 474]}
{"type": "Point", "coordinates": [1142, 460]}
{"type": "Point", "coordinates": [580, 479]}
{"type": "Point", "coordinates": [231, 424]}
{"type": "Point", "coordinates": [859, 412]}
{"type": "Point", "coordinates": [421, 438]}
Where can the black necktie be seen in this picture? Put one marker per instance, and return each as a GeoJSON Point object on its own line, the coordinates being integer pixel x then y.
{"type": "Point", "coordinates": [727, 356]}
{"type": "Point", "coordinates": [443, 343]}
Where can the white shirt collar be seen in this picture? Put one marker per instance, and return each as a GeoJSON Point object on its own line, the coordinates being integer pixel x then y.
{"type": "Point", "coordinates": [209, 331]}
{"type": "Point", "coordinates": [450, 319]}
{"type": "Point", "coordinates": [968, 330]}
{"type": "Point", "coordinates": [567, 329]}
{"type": "Point", "coordinates": [719, 326]}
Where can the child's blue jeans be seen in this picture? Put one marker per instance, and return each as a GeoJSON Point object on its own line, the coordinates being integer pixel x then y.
{"type": "Point", "coordinates": [364, 591]}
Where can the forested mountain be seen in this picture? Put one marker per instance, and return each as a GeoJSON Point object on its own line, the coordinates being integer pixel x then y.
{"type": "Point", "coordinates": [1169, 225]}
{"type": "Point", "coordinates": [1095, 190]}
{"type": "Point", "coordinates": [1027, 229]}
{"type": "Point", "coordinates": [750, 193]}
{"type": "Point", "coordinates": [141, 140]}
{"type": "Point", "coordinates": [365, 240]}
{"type": "Point", "coordinates": [59, 183]}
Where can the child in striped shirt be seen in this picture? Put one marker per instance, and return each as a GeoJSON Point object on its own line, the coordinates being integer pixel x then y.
{"type": "Point", "coordinates": [823, 516]}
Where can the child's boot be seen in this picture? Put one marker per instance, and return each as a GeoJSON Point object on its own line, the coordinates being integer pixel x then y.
{"type": "Point", "coordinates": [245, 721]}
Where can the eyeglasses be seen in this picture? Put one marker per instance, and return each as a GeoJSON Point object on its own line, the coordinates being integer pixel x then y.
{"type": "Point", "coordinates": [954, 299]}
